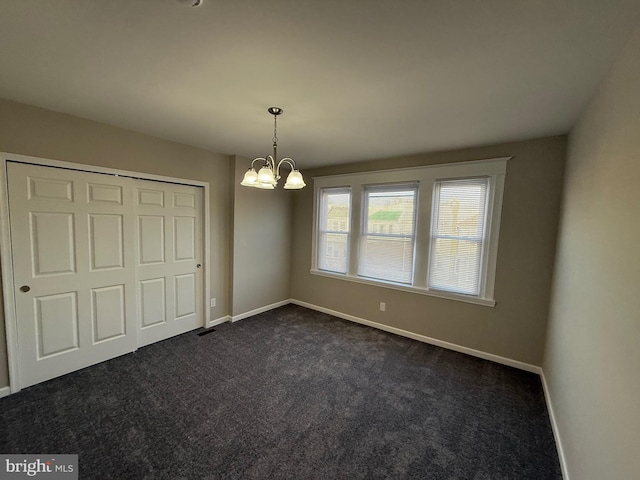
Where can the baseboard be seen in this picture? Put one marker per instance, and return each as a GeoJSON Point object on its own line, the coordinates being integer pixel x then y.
{"type": "Point", "coordinates": [266, 308]}
{"type": "Point", "coordinates": [218, 321]}
{"type": "Point", "coordinates": [554, 427]}
{"type": "Point", "coordinates": [422, 338]}
{"type": "Point", "coordinates": [4, 391]}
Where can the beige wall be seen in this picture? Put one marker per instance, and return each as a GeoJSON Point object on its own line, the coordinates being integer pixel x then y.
{"type": "Point", "coordinates": [515, 328]}
{"type": "Point", "coordinates": [261, 243]}
{"type": "Point", "coordinates": [592, 358]}
{"type": "Point", "coordinates": [42, 133]}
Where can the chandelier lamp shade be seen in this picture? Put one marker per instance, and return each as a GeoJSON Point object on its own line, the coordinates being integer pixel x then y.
{"type": "Point", "coordinates": [269, 174]}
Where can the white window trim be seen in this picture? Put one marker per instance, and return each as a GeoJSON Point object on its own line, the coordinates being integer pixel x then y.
{"type": "Point", "coordinates": [494, 168]}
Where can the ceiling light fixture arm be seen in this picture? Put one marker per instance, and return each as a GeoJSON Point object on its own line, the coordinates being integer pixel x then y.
{"type": "Point", "coordinates": [270, 162]}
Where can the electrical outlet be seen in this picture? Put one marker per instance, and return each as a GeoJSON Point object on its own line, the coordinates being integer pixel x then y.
{"type": "Point", "coordinates": [213, 302]}
{"type": "Point", "coordinates": [383, 306]}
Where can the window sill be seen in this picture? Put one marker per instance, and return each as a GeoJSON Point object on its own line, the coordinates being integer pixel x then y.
{"type": "Point", "coordinates": [486, 302]}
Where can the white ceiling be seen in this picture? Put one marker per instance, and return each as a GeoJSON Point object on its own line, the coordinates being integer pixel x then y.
{"type": "Point", "coordinates": [357, 79]}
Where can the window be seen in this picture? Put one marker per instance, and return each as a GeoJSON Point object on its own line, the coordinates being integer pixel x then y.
{"type": "Point", "coordinates": [430, 230]}
{"type": "Point", "coordinates": [459, 216]}
{"type": "Point", "coordinates": [388, 234]}
{"type": "Point", "coordinates": [333, 232]}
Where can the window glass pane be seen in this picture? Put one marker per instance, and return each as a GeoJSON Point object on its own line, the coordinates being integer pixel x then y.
{"type": "Point", "coordinates": [388, 239]}
{"type": "Point", "coordinates": [390, 211]}
{"type": "Point", "coordinates": [387, 258]}
{"type": "Point", "coordinates": [458, 235]}
{"type": "Point", "coordinates": [455, 266]}
{"type": "Point", "coordinates": [337, 212]}
{"type": "Point", "coordinates": [333, 238]}
{"type": "Point", "coordinates": [333, 252]}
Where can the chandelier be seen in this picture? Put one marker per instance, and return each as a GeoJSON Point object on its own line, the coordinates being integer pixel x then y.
{"type": "Point", "coordinates": [267, 177]}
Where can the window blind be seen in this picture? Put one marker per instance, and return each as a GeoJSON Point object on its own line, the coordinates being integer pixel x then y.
{"type": "Point", "coordinates": [458, 235]}
{"type": "Point", "coordinates": [333, 231]}
{"type": "Point", "coordinates": [388, 233]}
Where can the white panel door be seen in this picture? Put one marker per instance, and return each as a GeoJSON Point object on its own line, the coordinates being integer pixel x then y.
{"type": "Point", "coordinates": [169, 255]}
{"type": "Point", "coordinates": [74, 270]}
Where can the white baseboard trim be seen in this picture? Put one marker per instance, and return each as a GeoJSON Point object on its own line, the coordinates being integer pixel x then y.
{"type": "Point", "coordinates": [218, 321]}
{"type": "Point", "coordinates": [266, 308]}
{"type": "Point", "coordinates": [422, 338]}
{"type": "Point", "coordinates": [4, 391]}
{"type": "Point", "coordinates": [554, 428]}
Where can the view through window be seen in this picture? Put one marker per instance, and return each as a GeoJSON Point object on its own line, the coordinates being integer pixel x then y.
{"type": "Point", "coordinates": [388, 238]}
{"type": "Point", "coordinates": [334, 230]}
{"type": "Point", "coordinates": [457, 235]}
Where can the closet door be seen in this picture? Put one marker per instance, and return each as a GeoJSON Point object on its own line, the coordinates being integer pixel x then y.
{"type": "Point", "coordinates": [168, 257]}
{"type": "Point", "coordinates": [74, 272]}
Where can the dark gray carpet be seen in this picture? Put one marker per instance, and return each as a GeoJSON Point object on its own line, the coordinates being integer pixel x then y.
{"type": "Point", "coordinates": [290, 393]}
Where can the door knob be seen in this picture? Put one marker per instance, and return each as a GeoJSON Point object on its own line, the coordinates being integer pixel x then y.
{"type": "Point", "coordinates": [198, 265]}
{"type": "Point", "coordinates": [25, 288]}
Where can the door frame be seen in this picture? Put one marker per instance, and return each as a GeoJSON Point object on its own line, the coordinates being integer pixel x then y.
{"type": "Point", "coordinates": [6, 254]}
